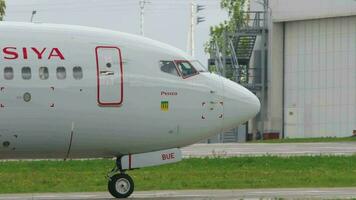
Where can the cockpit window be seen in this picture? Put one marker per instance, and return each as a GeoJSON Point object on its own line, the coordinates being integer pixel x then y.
{"type": "Point", "coordinates": [186, 68]}
{"type": "Point", "coordinates": [169, 67]}
{"type": "Point", "coordinates": [198, 66]}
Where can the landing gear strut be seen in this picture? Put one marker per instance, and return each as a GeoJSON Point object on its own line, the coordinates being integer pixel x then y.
{"type": "Point", "coordinates": [120, 185]}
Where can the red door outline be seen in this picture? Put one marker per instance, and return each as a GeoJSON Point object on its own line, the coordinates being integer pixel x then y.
{"type": "Point", "coordinates": [120, 101]}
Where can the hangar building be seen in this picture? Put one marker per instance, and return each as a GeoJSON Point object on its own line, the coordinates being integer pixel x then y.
{"type": "Point", "coordinates": [310, 68]}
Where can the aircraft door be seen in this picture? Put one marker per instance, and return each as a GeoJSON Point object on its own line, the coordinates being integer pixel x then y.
{"type": "Point", "coordinates": [109, 76]}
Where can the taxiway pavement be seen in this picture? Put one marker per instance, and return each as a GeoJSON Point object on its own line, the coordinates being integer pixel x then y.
{"type": "Point", "coordinates": [261, 149]}
{"type": "Point", "coordinates": [258, 194]}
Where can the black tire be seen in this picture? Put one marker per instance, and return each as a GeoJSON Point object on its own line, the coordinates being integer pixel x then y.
{"type": "Point", "coordinates": [127, 186]}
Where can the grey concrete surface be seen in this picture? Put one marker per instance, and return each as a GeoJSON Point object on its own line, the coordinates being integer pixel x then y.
{"type": "Point", "coordinates": [321, 193]}
{"type": "Point", "coordinates": [260, 149]}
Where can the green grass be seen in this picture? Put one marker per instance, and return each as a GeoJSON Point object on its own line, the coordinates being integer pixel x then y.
{"type": "Point", "coordinates": [310, 140]}
{"type": "Point", "coordinates": [231, 173]}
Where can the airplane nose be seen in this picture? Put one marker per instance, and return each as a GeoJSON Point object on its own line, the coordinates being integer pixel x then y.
{"type": "Point", "coordinates": [240, 104]}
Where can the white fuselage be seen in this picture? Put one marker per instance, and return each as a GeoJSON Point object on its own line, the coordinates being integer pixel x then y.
{"type": "Point", "coordinates": [118, 103]}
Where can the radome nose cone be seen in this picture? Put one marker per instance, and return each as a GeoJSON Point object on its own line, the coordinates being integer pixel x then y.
{"type": "Point", "coordinates": [240, 105]}
{"type": "Point", "coordinates": [255, 105]}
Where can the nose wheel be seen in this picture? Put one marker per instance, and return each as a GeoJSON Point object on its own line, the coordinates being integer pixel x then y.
{"type": "Point", "coordinates": [121, 185]}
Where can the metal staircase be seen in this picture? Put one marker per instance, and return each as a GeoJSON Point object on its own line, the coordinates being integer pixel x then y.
{"type": "Point", "coordinates": [237, 57]}
{"type": "Point", "coordinates": [244, 47]}
{"type": "Point", "coordinates": [229, 137]}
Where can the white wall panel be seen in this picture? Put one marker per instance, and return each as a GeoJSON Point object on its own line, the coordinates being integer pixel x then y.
{"type": "Point", "coordinates": [320, 71]}
{"type": "Point", "coordinates": [291, 10]}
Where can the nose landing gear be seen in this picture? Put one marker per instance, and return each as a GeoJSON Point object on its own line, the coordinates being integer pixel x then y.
{"type": "Point", "coordinates": [120, 185]}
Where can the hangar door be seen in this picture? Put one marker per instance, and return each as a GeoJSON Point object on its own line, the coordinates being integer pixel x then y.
{"type": "Point", "coordinates": [320, 78]}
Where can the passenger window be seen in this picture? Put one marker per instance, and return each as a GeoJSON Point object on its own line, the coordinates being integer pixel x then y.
{"type": "Point", "coordinates": [8, 73]}
{"type": "Point", "coordinates": [61, 73]}
{"type": "Point", "coordinates": [77, 73]}
{"type": "Point", "coordinates": [169, 67]}
{"type": "Point", "coordinates": [26, 73]}
{"type": "Point", "coordinates": [186, 68]}
{"type": "Point", "coordinates": [43, 73]}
